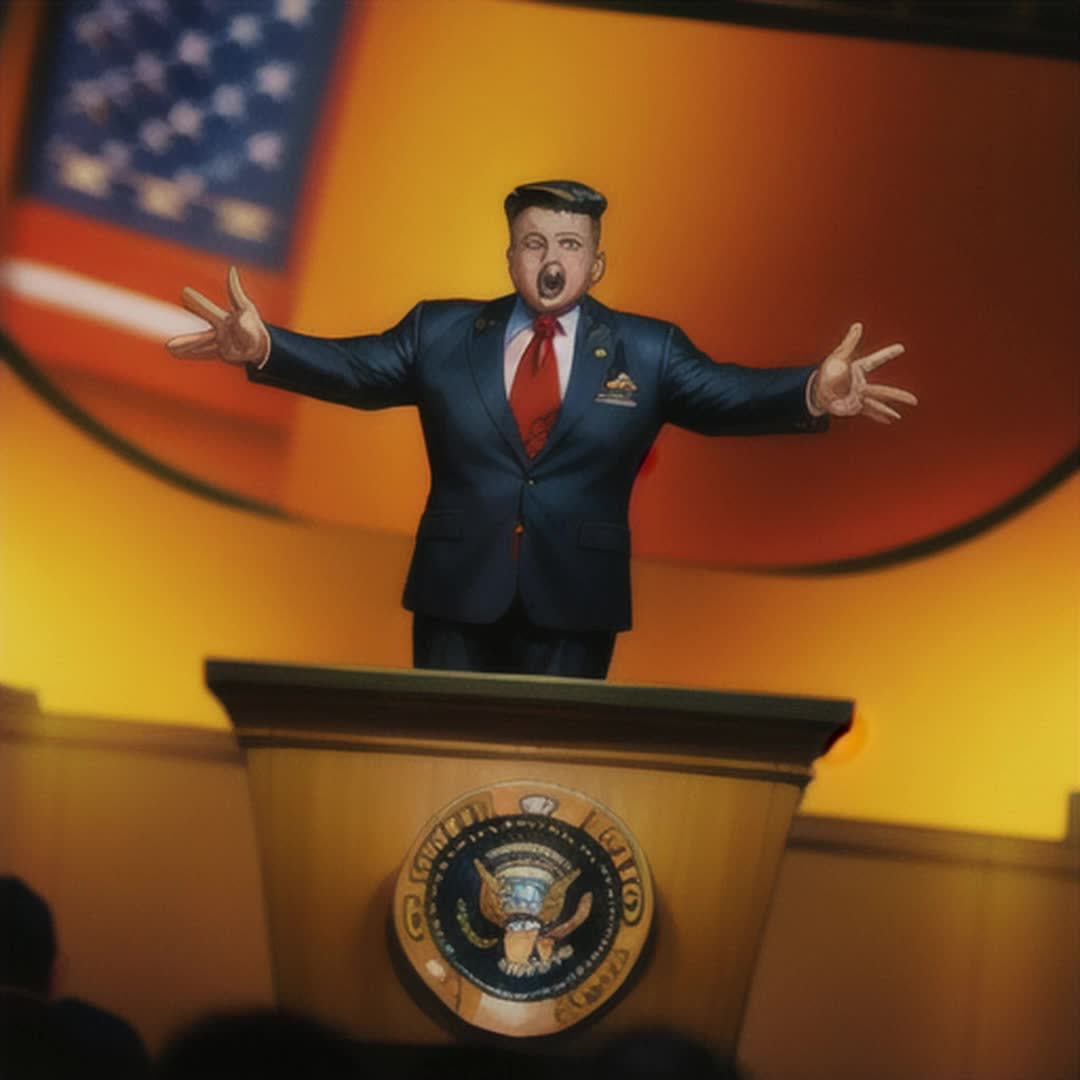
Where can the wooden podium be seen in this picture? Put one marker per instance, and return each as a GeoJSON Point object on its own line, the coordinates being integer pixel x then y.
{"type": "Point", "coordinates": [348, 766]}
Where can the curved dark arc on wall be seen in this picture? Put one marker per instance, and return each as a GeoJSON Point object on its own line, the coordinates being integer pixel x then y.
{"type": "Point", "coordinates": [41, 385]}
{"type": "Point", "coordinates": [940, 541]}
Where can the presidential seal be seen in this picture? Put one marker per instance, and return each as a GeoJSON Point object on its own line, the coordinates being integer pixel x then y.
{"type": "Point", "coordinates": [523, 907]}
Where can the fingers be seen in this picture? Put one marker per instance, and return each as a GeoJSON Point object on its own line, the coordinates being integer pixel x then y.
{"type": "Point", "coordinates": [201, 346]}
{"type": "Point", "coordinates": [865, 397]}
{"type": "Point", "coordinates": [847, 346]}
{"type": "Point", "coordinates": [209, 351]}
{"type": "Point", "coordinates": [184, 341]}
{"type": "Point", "coordinates": [874, 416]}
{"type": "Point", "coordinates": [198, 304]}
{"type": "Point", "coordinates": [239, 298]}
{"type": "Point", "coordinates": [890, 393]}
{"type": "Point", "coordinates": [878, 410]}
{"type": "Point", "coordinates": [882, 356]}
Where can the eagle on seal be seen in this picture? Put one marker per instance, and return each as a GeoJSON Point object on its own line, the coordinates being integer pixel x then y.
{"type": "Point", "coordinates": [526, 897]}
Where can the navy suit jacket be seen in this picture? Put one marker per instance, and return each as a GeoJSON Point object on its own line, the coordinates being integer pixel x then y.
{"type": "Point", "coordinates": [572, 566]}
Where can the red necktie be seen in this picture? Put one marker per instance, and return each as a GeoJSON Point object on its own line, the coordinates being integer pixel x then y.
{"type": "Point", "coordinates": [534, 395]}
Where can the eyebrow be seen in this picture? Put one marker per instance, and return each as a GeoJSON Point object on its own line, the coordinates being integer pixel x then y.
{"type": "Point", "coordinates": [558, 236]}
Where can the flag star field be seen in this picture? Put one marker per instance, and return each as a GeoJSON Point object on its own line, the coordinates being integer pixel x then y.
{"type": "Point", "coordinates": [187, 119]}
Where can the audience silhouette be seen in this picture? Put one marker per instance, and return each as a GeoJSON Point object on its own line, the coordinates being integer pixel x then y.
{"type": "Point", "coordinates": [40, 1035]}
{"type": "Point", "coordinates": [45, 1038]}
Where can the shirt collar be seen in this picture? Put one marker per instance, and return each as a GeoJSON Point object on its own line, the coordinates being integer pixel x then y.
{"type": "Point", "coordinates": [521, 318]}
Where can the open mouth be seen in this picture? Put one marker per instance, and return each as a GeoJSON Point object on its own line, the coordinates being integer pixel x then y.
{"type": "Point", "coordinates": [550, 281]}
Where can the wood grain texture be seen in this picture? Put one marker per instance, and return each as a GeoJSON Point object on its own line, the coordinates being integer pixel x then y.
{"type": "Point", "coordinates": [347, 766]}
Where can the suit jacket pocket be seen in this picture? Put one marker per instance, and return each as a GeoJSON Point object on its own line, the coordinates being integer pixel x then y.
{"type": "Point", "coordinates": [440, 525]}
{"type": "Point", "coordinates": [602, 536]}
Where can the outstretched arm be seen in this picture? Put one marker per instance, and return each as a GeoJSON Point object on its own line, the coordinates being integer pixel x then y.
{"type": "Point", "coordinates": [721, 399]}
{"type": "Point", "coordinates": [729, 399]}
{"type": "Point", "coordinates": [840, 386]}
{"type": "Point", "coordinates": [237, 336]}
{"type": "Point", "coordinates": [372, 371]}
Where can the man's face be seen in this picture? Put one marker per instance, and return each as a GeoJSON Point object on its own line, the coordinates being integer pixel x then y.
{"type": "Point", "coordinates": [553, 258]}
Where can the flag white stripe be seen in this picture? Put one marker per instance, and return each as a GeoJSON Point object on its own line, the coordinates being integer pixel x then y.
{"type": "Point", "coordinates": [95, 300]}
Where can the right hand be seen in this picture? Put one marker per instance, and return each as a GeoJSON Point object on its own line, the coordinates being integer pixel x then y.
{"type": "Point", "coordinates": [237, 337]}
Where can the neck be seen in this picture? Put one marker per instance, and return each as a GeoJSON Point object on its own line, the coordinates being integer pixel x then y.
{"type": "Point", "coordinates": [556, 313]}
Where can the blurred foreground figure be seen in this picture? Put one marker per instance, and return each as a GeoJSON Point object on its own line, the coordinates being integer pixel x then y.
{"type": "Point", "coordinates": [263, 1044]}
{"type": "Point", "coordinates": [39, 1035]}
{"type": "Point", "coordinates": [268, 1044]}
{"type": "Point", "coordinates": [659, 1055]}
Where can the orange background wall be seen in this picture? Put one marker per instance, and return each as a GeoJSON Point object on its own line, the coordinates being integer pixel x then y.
{"type": "Point", "coordinates": [766, 189]}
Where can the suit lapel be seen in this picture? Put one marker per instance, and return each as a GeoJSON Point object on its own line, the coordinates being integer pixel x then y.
{"type": "Point", "coordinates": [592, 352]}
{"type": "Point", "coordinates": [486, 343]}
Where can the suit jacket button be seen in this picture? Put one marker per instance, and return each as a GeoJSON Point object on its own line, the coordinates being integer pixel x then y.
{"type": "Point", "coordinates": [531, 483]}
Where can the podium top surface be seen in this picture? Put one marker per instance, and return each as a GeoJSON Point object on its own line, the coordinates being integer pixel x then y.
{"type": "Point", "coordinates": [301, 704]}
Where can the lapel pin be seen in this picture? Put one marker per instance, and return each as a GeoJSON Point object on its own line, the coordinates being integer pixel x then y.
{"type": "Point", "coordinates": [600, 353]}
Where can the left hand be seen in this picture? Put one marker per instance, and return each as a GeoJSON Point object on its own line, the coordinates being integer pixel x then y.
{"type": "Point", "coordinates": [842, 389]}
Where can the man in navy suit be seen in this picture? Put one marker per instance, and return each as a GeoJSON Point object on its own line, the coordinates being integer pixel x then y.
{"type": "Point", "coordinates": [537, 411]}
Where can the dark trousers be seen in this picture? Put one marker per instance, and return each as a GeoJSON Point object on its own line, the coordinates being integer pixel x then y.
{"type": "Point", "coordinates": [510, 646]}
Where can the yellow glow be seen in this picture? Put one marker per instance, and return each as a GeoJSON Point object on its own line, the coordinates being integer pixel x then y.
{"type": "Point", "coordinates": [850, 744]}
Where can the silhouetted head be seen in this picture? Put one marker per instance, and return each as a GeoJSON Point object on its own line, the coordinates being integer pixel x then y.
{"type": "Point", "coordinates": [660, 1054]}
{"type": "Point", "coordinates": [266, 1043]}
{"type": "Point", "coordinates": [27, 938]}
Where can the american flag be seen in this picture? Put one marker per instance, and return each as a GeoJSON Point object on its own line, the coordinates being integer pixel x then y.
{"type": "Point", "coordinates": [186, 119]}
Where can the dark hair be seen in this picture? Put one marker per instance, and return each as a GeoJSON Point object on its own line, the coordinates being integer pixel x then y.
{"type": "Point", "coordinates": [567, 195]}
{"type": "Point", "coordinates": [27, 937]}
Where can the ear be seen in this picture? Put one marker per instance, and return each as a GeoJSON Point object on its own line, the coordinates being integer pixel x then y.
{"type": "Point", "coordinates": [598, 267]}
